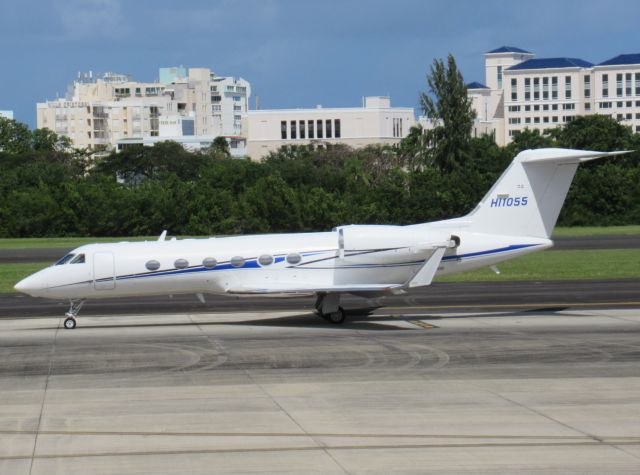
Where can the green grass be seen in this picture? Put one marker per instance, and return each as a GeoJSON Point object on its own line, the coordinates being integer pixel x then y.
{"type": "Point", "coordinates": [595, 231]}
{"type": "Point", "coordinates": [64, 243]}
{"type": "Point", "coordinates": [71, 242]}
{"type": "Point", "coordinates": [556, 265]}
{"type": "Point", "coordinates": [560, 265]}
{"type": "Point", "coordinates": [10, 274]}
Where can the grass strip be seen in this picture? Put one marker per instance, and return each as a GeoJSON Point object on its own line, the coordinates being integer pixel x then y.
{"type": "Point", "coordinates": [560, 265]}
{"type": "Point", "coordinates": [546, 265]}
{"type": "Point", "coordinates": [71, 242]}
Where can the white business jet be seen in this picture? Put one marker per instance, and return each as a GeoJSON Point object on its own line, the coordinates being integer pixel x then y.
{"type": "Point", "coordinates": [515, 217]}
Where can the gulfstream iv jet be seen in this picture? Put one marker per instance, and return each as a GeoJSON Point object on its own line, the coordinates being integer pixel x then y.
{"type": "Point", "coordinates": [515, 217]}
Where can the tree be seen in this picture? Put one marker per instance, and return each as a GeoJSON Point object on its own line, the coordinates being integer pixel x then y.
{"type": "Point", "coordinates": [220, 146]}
{"type": "Point", "coordinates": [594, 132]}
{"type": "Point", "coordinates": [449, 109]}
{"type": "Point", "coordinates": [15, 137]}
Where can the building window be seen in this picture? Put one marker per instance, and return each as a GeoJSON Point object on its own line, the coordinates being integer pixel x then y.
{"type": "Point", "coordinates": [605, 85]}
{"type": "Point", "coordinates": [338, 131]}
{"type": "Point", "coordinates": [587, 87]}
{"type": "Point", "coordinates": [587, 107]}
{"type": "Point", "coordinates": [514, 120]}
{"type": "Point", "coordinates": [567, 87]}
{"type": "Point", "coordinates": [536, 89]}
{"type": "Point", "coordinates": [554, 107]}
{"type": "Point", "coordinates": [605, 105]}
{"type": "Point", "coordinates": [283, 130]}
{"type": "Point", "coordinates": [527, 89]}
{"type": "Point", "coordinates": [527, 120]}
{"type": "Point", "coordinates": [554, 119]}
{"type": "Point", "coordinates": [310, 128]}
{"type": "Point", "coordinates": [536, 107]}
{"type": "Point", "coordinates": [619, 104]}
{"type": "Point", "coordinates": [536, 120]}
{"type": "Point", "coordinates": [619, 85]}
{"type": "Point", "coordinates": [293, 131]}
{"type": "Point", "coordinates": [527, 108]}
{"type": "Point", "coordinates": [554, 88]}
{"type": "Point", "coordinates": [514, 89]}
{"type": "Point", "coordinates": [319, 128]}
{"type": "Point", "coordinates": [627, 84]}
{"type": "Point", "coordinates": [545, 107]}
{"type": "Point", "coordinates": [327, 124]}
{"type": "Point", "coordinates": [499, 77]}
{"type": "Point", "coordinates": [301, 127]}
{"type": "Point", "coordinates": [545, 89]}
{"type": "Point", "coordinates": [637, 84]}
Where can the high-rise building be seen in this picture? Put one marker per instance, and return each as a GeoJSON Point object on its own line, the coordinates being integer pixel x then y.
{"type": "Point", "coordinates": [522, 91]}
{"type": "Point", "coordinates": [103, 110]}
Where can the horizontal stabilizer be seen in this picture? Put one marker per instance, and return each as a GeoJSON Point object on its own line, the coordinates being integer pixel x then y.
{"type": "Point", "coordinates": [428, 270]}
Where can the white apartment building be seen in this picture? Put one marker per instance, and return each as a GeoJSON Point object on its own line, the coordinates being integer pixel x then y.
{"type": "Point", "coordinates": [100, 111]}
{"type": "Point", "coordinates": [6, 114]}
{"type": "Point", "coordinates": [522, 91]}
{"type": "Point", "coordinates": [376, 122]}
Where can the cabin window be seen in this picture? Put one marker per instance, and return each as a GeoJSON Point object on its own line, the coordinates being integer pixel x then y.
{"type": "Point", "coordinates": [181, 263]}
{"type": "Point", "coordinates": [79, 259]}
{"type": "Point", "coordinates": [265, 260]}
{"type": "Point", "coordinates": [64, 260]}
{"type": "Point", "coordinates": [209, 262]}
{"type": "Point", "coordinates": [237, 261]}
{"type": "Point", "coordinates": [294, 258]}
{"type": "Point", "coordinates": [152, 265]}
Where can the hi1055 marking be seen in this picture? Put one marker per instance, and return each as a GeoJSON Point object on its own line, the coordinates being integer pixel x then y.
{"type": "Point", "coordinates": [502, 201]}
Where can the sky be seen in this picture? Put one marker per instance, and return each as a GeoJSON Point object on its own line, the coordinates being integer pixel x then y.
{"type": "Point", "coordinates": [295, 53]}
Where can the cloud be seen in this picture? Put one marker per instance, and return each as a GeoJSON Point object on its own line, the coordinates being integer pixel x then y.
{"type": "Point", "coordinates": [95, 19]}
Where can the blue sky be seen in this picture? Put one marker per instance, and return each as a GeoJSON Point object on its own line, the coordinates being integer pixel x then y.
{"type": "Point", "coordinates": [295, 53]}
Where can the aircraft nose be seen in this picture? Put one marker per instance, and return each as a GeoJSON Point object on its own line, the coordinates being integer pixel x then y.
{"type": "Point", "coordinates": [31, 285]}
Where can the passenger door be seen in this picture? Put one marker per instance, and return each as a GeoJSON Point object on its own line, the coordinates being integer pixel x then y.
{"type": "Point", "coordinates": [104, 277]}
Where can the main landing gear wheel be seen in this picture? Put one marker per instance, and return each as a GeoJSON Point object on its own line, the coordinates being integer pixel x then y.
{"type": "Point", "coordinates": [336, 317]}
{"type": "Point", "coordinates": [70, 323]}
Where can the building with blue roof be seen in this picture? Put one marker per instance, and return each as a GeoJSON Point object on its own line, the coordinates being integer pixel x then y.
{"type": "Point", "coordinates": [523, 91]}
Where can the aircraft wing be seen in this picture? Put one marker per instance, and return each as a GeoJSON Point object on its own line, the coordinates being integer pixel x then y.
{"type": "Point", "coordinates": [296, 288]}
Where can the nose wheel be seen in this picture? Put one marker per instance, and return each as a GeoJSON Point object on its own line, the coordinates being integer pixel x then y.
{"type": "Point", "coordinates": [74, 308]}
{"type": "Point", "coordinates": [70, 323]}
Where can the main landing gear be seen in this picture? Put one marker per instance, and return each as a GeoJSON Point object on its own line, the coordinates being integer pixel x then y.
{"type": "Point", "coordinates": [328, 307]}
{"type": "Point", "coordinates": [72, 314]}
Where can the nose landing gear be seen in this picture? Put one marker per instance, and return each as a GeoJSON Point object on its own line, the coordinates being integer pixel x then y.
{"type": "Point", "coordinates": [72, 313]}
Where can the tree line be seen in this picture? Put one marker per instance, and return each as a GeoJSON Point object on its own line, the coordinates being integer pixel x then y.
{"type": "Point", "coordinates": [48, 188]}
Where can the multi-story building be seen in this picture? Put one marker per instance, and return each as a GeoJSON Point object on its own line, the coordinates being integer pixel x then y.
{"type": "Point", "coordinates": [541, 93]}
{"type": "Point", "coordinates": [376, 122]}
{"type": "Point", "coordinates": [100, 111]}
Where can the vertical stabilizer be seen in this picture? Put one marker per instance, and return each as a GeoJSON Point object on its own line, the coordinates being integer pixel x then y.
{"type": "Point", "coordinates": [527, 199]}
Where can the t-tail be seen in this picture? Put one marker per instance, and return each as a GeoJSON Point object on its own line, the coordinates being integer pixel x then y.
{"type": "Point", "coordinates": [527, 199]}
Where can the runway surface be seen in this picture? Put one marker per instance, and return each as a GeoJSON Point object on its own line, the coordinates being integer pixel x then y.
{"type": "Point", "coordinates": [439, 296]}
{"type": "Point", "coordinates": [561, 243]}
{"type": "Point", "coordinates": [498, 392]}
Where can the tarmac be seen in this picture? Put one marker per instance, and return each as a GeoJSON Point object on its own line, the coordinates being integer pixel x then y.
{"type": "Point", "coordinates": [394, 390]}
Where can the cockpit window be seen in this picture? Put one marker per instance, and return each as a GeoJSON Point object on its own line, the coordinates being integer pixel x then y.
{"type": "Point", "coordinates": [64, 260]}
{"type": "Point", "coordinates": [79, 259]}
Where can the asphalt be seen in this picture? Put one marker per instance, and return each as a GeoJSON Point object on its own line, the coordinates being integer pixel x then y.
{"type": "Point", "coordinates": [439, 296]}
{"type": "Point", "coordinates": [562, 243]}
{"type": "Point", "coordinates": [501, 392]}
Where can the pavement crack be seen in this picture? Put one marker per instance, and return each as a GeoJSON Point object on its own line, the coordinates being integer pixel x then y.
{"type": "Point", "coordinates": [44, 395]}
